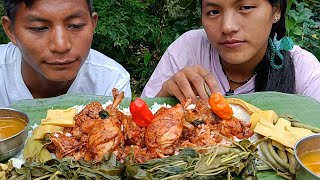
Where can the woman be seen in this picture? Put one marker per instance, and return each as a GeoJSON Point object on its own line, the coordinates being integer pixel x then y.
{"type": "Point", "coordinates": [242, 49]}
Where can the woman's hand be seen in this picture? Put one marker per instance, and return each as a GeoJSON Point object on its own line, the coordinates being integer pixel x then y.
{"type": "Point", "coordinates": [189, 83]}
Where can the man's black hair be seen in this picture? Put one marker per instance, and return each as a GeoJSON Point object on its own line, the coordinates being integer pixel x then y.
{"type": "Point", "coordinates": [11, 7]}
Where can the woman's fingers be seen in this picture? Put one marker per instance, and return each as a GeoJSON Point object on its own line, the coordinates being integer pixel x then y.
{"type": "Point", "coordinates": [190, 82]}
{"type": "Point", "coordinates": [202, 79]}
{"type": "Point", "coordinates": [183, 82]}
{"type": "Point", "coordinates": [174, 90]}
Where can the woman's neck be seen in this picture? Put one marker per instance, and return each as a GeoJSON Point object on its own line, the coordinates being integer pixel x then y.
{"type": "Point", "coordinates": [238, 74]}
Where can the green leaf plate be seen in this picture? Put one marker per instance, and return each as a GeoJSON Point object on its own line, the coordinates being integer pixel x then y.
{"type": "Point", "coordinates": [301, 108]}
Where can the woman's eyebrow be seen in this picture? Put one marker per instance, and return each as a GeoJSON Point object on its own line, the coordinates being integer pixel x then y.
{"type": "Point", "coordinates": [210, 4]}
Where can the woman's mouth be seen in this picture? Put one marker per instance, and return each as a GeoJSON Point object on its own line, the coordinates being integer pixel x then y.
{"type": "Point", "coordinates": [232, 43]}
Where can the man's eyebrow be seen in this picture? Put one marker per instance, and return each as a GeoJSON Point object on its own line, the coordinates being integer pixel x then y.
{"type": "Point", "coordinates": [77, 14]}
{"type": "Point", "coordinates": [33, 18]}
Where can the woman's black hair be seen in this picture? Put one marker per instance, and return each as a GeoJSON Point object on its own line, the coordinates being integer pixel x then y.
{"type": "Point", "coordinates": [11, 7]}
{"type": "Point", "coordinates": [267, 78]}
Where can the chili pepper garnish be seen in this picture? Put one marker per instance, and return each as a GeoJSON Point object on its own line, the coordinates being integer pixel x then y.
{"type": "Point", "coordinates": [141, 114]}
{"type": "Point", "coordinates": [220, 106]}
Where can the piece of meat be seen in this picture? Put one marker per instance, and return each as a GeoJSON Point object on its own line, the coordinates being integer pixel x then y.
{"type": "Point", "coordinates": [104, 138]}
{"type": "Point", "coordinates": [201, 113]}
{"type": "Point", "coordinates": [64, 145]}
{"type": "Point", "coordinates": [133, 134]}
{"type": "Point", "coordinates": [165, 130]}
{"type": "Point", "coordinates": [91, 111]}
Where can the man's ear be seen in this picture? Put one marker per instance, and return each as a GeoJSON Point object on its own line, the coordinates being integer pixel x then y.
{"type": "Point", "coordinates": [8, 28]}
{"type": "Point", "coordinates": [95, 19]}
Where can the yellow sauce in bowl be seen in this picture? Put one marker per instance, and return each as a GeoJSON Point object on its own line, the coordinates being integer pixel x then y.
{"type": "Point", "coordinates": [10, 126]}
{"type": "Point", "coordinates": [312, 161]}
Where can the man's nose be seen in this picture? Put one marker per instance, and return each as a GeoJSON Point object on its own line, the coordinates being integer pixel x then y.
{"type": "Point", "coordinates": [230, 23]}
{"type": "Point", "coordinates": [60, 40]}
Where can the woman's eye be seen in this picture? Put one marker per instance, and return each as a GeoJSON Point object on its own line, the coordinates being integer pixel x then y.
{"type": "Point", "coordinates": [38, 29]}
{"type": "Point", "coordinates": [246, 7]}
{"type": "Point", "coordinates": [213, 12]}
{"type": "Point", "coordinates": [75, 26]}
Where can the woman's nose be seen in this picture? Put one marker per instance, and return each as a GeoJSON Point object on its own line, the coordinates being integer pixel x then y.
{"type": "Point", "coordinates": [230, 23]}
{"type": "Point", "coordinates": [60, 42]}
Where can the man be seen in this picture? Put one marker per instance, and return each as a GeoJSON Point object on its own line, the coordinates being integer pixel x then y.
{"type": "Point", "coordinates": [49, 53]}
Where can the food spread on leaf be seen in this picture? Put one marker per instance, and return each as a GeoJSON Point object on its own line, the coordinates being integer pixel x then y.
{"type": "Point", "coordinates": [185, 141]}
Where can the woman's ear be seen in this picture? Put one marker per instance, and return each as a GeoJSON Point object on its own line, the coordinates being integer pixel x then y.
{"type": "Point", "coordinates": [8, 28]}
{"type": "Point", "coordinates": [276, 13]}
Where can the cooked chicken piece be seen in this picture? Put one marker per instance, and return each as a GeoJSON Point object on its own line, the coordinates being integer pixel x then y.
{"type": "Point", "coordinates": [201, 113]}
{"type": "Point", "coordinates": [104, 137]}
{"type": "Point", "coordinates": [164, 131]}
{"type": "Point", "coordinates": [64, 145]}
{"type": "Point", "coordinates": [91, 111]}
{"type": "Point", "coordinates": [94, 134]}
{"type": "Point", "coordinates": [133, 134]}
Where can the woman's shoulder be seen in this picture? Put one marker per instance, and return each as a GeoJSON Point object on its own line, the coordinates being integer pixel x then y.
{"type": "Point", "coordinates": [195, 35]}
{"type": "Point", "coordinates": [301, 56]}
{"type": "Point", "coordinates": [191, 38]}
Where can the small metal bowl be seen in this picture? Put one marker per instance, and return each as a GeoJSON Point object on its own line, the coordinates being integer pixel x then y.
{"type": "Point", "coordinates": [304, 145]}
{"type": "Point", "coordinates": [10, 146]}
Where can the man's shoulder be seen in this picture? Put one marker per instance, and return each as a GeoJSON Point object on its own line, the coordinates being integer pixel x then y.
{"type": "Point", "coordinates": [8, 53]}
{"type": "Point", "coordinates": [99, 60]}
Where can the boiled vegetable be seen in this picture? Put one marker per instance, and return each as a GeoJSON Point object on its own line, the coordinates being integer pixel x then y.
{"type": "Point", "coordinates": [266, 153]}
{"type": "Point", "coordinates": [276, 157]}
{"type": "Point", "coordinates": [292, 163]}
{"type": "Point", "coordinates": [305, 126]}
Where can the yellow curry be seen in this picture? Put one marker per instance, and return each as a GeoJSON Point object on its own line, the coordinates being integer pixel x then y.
{"type": "Point", "coordinates": [10, 126]}
{"type": "Point", "coordinates": [312, 161]}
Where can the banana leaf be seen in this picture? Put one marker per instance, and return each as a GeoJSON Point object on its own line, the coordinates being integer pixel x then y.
{"type": "Point", "coordinates": [301, 108]}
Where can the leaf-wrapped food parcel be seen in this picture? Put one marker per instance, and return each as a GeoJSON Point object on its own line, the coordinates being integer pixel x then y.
{"type": "Point", "coordinates": [40, 131]}
{"type": "Point", "coordinates": [35, 151]}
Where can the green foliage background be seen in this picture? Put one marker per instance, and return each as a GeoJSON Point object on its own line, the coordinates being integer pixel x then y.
{"type": "Point", "coordinates": [137, 32]}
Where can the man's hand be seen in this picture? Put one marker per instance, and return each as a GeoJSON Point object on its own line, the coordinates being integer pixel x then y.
{"type": "Point", "coordinates": [189, 83]}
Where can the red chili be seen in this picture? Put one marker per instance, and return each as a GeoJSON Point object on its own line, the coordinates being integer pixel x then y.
{"type": "Point", "coordinates": [141, 114]}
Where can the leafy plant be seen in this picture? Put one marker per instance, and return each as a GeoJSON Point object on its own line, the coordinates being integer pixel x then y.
{"type": "Point", "coordinates": [137, 33]}
{"type": "Point", "coordinates": [302, 26]}
{"type": "Point", "coordinates": [3, 36]}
